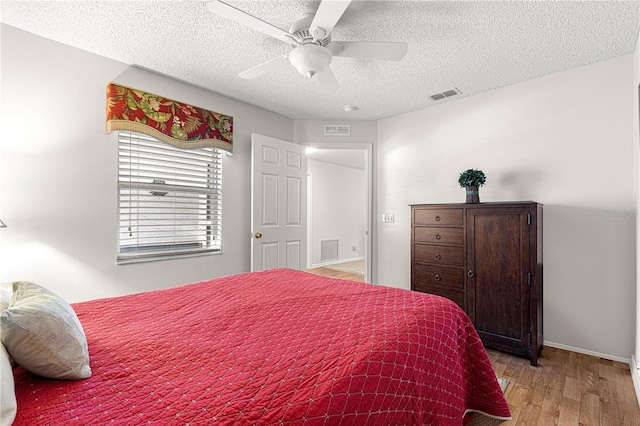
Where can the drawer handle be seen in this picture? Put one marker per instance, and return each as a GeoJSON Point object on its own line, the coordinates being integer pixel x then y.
{"type": "Point", "coordinates": [438, 236]}
{"type": "Point", "coordinates": [437, 218]}
{"type": "Point", "coordinates": [437, 277]}
{"type": "Point", "coordinates": [438, 256]}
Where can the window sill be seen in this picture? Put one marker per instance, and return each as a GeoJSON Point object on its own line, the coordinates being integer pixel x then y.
{"type": "Point", "coordinates": [154, 258]}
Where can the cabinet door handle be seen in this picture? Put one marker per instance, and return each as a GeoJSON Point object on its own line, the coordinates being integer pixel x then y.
{"type": "Point", "coordinates": [470, 274]}
{"type": "Point", "coordinates": [438, 236]}
{"type": "Point", "coordinates": [437, 277]}
{"type": "Point", "coordinates": [438, 256]}
{"type": "Point", "coordinates": [437, 218]}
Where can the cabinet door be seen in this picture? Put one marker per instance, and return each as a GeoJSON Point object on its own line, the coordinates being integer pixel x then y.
{"type": "Point", "coordinates": [498, 275]}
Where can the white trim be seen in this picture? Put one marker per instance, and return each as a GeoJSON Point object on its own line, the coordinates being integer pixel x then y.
{"type": "Point", "coordinates": [586, 352]}
{"type": "Point", "coordinates": [336, 262]}
{"type": "Point", "coordinates": [309, 218]}
{"type": "Point", "coordinates": [635, 376]}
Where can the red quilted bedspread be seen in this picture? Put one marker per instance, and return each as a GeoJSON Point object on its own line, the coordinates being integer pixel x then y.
{"type": "Point", "coordinates": [272, 347]}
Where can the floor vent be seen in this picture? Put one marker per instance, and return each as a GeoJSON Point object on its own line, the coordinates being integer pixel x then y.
{"type": "Point", "coordinates": [446, 94]}
{"type": "Point", "coordinates": [328, 250]}
{"type": "Point", "coordinates": [337, 130]}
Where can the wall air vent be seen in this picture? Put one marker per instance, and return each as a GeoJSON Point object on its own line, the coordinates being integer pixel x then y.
{"type": "Point", "coordinates": [446, 94]}
{"type": "Point", "coordinates": [337, 130]}
{"type": "Point", "coordinates": [328, 250]}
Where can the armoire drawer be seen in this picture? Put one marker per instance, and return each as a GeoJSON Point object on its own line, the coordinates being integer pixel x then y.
{"type": "Point", "coordinates": [431, 275]}
{"type": "Point", "coordinates": [443, 255]}
{"type": "Point", "coordinates": [444, 217]}
{"type": "Point", "coordinates": [432, 234]}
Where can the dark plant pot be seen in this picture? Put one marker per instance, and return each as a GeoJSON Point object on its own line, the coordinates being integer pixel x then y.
{"type": "Point", "coordinates": [473, 196]}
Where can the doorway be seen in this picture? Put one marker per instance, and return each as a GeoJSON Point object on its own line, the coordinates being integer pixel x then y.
{"type": "Point", "coordinates": [339, 222]}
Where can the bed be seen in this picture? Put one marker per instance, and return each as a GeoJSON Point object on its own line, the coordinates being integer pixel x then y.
{"type": "Point", "coordinates": [277, 347]}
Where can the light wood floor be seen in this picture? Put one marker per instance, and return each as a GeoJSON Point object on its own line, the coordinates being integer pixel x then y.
{"type": "Point", "coordinates": [336, 274]}
{"type": "Point", "coordinates": [566, 389]}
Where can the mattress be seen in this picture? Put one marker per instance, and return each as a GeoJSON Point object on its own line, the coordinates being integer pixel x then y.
{"type": "Point", "coordinates": [277, 347]}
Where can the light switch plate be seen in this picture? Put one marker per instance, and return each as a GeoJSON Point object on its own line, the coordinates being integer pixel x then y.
{"type": "Point", "coordinates": [388, 218]}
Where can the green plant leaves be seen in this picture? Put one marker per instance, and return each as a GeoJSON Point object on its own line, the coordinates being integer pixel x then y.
{"type": "Point", "coordinates": [472, 177]}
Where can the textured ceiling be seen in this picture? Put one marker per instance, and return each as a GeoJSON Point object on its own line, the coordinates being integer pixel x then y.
{"type": "Point", "coordinates": [474, 46]}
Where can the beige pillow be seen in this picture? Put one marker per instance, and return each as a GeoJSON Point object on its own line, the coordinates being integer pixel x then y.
{"type": "Point", "coordinates": [8, 404]}
{"type": "Point", "coordinates": [5, 291]}
{"type": "Point", "coordinates": [43, 334]}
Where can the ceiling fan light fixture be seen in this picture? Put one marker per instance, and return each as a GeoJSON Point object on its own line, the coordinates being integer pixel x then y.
{"type": "Point", "coordinates": [310, 38]}
{"type": "Point", "coordinates": [310, 59]}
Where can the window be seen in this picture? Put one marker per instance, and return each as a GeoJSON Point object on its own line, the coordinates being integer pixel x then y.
{"type": "Point", "coordinates": [169, 199]}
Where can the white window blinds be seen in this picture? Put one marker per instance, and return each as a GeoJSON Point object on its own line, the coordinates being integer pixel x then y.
{"type": "Point", "coordinates": [169, 199]}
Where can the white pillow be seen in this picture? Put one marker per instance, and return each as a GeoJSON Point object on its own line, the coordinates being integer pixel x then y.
{"type": "Point", "coordinates": [8, 406]}
{"type": "Point", "coordinates": [43, 334]}
{"type": "Point", "coordinates": [6, 295]}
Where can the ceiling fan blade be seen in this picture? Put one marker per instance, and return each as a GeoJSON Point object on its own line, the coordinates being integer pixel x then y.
{"type": "Point", "coordinates": [265, 67]}
{"type": "Point", "coordinates": [243, 18]}
{"type": "Point", "coordinates": [390, 51]}
{"type": "Point", "coordinates": [328, 14]}
{"type": "Point", "coordinates": [328, 80]}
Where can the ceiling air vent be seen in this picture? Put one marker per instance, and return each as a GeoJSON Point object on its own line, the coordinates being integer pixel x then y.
{"type": "Point", "coordinates": [445, 94]}
{"type": "Point", "coordinates": [337, 130]}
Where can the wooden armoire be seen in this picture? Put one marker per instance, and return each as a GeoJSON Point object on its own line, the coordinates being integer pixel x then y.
{"type": "Point", "coordinates": [486, 257]}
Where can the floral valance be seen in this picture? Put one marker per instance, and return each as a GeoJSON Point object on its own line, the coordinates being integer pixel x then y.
{"type": "Point", "coordinates": [173, 122]}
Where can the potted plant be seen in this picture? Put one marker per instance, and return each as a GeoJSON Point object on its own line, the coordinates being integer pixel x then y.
{"type": "Point", "coordinates": [472, 179]}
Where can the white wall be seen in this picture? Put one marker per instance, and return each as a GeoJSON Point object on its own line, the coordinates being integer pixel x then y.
{"type": "Point", "coordinates": [565, 140]}
{"type": "Point", "coordinates": [337, 208]}
{"type": "Point", "coordinates": [58, 172]}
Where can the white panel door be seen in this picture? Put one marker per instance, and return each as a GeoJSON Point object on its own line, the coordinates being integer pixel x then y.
{"type": "Point", "coordinates": [278, 204]}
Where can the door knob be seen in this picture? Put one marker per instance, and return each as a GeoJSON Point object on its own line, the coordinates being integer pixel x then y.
{"type": "Point", "coordinates": [470, 274]}
{"type": "Point", "coordinates": [258, 235]}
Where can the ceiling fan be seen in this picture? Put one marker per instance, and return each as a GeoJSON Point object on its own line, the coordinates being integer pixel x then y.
{"type": "Point", "coordinates": [310, 37]}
